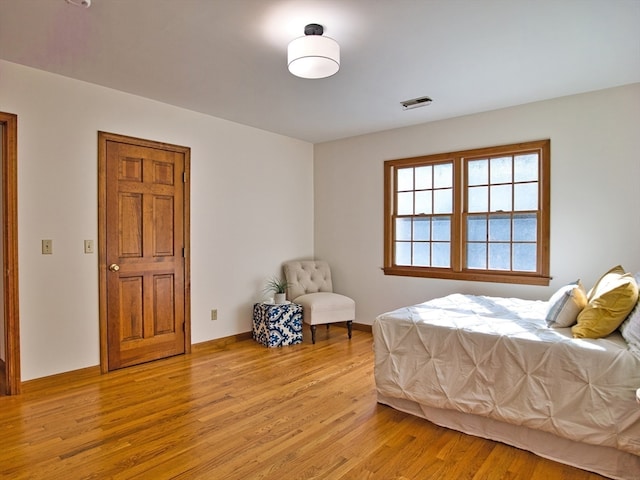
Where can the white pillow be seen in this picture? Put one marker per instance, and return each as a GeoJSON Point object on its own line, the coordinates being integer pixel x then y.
{"type": "Point", "coordinates": [565, 305]}
{"type": "Point", "coordinates": [630, 328]}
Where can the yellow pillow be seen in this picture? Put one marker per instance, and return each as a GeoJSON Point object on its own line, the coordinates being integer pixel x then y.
{"type": "Point", "coordinates": [605, 281]}
{"type": "Point", "coordinates": [610, 301]}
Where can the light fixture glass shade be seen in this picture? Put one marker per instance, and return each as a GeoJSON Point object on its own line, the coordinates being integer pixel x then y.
{"type": "Point", "coordinates": [314, 56]}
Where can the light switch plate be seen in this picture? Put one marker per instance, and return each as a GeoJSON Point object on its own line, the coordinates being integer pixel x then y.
{"type": "Point", "coordinates": [88, 246]}
{"type": "Point", "coordinates": [47, 247]}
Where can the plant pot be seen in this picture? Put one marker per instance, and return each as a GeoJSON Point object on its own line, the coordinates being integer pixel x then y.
{"type": "Point", "coordinates": [280, 298]}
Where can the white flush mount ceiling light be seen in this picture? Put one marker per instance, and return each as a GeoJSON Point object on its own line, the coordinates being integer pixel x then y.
{"type": "Point", "coordinates": [314, 56]}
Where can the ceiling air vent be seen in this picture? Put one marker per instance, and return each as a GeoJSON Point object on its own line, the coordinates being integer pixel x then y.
{"type": "Point", "coordinates": [416, 102]}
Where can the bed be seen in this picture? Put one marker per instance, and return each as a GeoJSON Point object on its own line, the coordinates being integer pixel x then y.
{"type": "Point", "coordinates": [494, 368]}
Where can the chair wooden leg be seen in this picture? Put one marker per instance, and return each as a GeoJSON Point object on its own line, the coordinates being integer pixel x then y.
{"type": "Point", "coordinates": [350, 327]}
{"type": "Point", "coordinates": [313, 334]}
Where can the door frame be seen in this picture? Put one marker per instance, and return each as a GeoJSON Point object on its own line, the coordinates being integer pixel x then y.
{"type": "Point", "coordinates": [9, 122]}
{"type": "Point", "coordinates": [103, 138]}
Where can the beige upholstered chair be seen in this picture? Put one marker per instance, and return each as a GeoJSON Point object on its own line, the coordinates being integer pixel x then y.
{"type": "Point", "coordinates": [309, 285]}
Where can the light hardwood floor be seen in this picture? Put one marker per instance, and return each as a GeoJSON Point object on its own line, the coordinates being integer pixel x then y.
{"type": "Point", "coordinates": [242, 411]}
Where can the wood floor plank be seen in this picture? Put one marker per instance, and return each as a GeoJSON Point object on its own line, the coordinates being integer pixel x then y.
{"type": "Point", "coordinates": [242, 411]}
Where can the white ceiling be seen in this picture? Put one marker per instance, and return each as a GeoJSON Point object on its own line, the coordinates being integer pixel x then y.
{"type": "Point", "coordinates": [227, 58]}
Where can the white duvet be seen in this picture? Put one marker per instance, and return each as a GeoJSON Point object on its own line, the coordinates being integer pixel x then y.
{"type": "Point", "coordinates": [496, 357]}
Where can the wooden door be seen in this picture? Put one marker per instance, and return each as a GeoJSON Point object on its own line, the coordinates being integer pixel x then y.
{"type": "Point", "coordinates": [143, 251]}
{"type": "Point", "coordinates": [9, 214]}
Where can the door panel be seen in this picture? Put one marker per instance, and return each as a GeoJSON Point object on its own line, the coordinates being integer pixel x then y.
{"type": "Point", "coordinates": [130, 310]}
{"type": "Point", "coordinates": [164, 295]}
{"type": "Point", "coordinates": [145, 237]}
{"type": "Point", "coordinates": [130, 215]}
{"type": "Point", "coordinates": [163, 228]}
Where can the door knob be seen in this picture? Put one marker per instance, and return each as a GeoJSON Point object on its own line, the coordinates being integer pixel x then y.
{"type": "Point", "coordinates": [114, 267]}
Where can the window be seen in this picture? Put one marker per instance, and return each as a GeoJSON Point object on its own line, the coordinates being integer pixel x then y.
{"type": "Point", "coordinates": [479, 215]}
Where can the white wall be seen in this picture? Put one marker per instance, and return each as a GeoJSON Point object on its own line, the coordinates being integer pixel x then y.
{"type": "Point", "coordinates": [241, 178]}
{"type": "Point", "coordinates": [595, 180]}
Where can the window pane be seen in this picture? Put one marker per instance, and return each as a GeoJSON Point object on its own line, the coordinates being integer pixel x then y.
{"type": "Point", "coordinates": [441, 228]}
{"type": "Point", "coordinates": [499, 256]}
{"type": "Point", "coordinates": [403, 253]}
{"type": "Point", "coordinates": [478, 199]}
{"type": "Point", "coordinates": [525, 168]}
{"type": "Point", "coordinates": [423, 202]}
{"type": "Point", "coordinates": [499, 228]}
{"type": "Point", "coordinates": [477, 255]}
{"type": "Point", "coordinates": [443, 201]}
{"type": "Point", "coordinates": [524, 257]}
{"type": "Point", "coordinates": [405, 203]}
{"type": "Point", "coordinates": [421, 254]}
{"type": "Point", "coordinates": [422, 229]}
{"type": "Point", "coordinates": [405, 179]}
{"type": "Point", "coordinates": [476, 215]}
{"type": "Point", "coordinates": [443, 175]}
{"type": "Point", "coordinates": [525, 228]}
{"type": "Point", "coordinates": [403, 229]}
{"type": "Point", "coordinates": [423, 178]}
{"type": "Point", "coordinates": [525, 196]}
{"type": "Point", "coordinates": [478, 172]}
{"type": "Point", "coordinates": [500, 198]}
{"type": "Point", "coordinates": [501, 170]}
{"type": "Point", "coordinates": [477, 228]}
{"type": "Point", "coordinates": [441, 255]}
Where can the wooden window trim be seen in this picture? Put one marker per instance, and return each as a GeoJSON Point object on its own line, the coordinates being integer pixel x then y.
{"type": "Point", "coordinates": [456, 271]}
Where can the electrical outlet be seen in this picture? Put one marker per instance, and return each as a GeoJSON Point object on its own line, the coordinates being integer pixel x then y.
{"type": "Point", "coordinates": [214, 314]}
{"type": "Point", "coordinates": [47, 247]}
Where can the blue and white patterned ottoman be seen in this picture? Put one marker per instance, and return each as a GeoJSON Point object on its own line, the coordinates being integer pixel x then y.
{"type": "Point", "coordinates": [277, 325]}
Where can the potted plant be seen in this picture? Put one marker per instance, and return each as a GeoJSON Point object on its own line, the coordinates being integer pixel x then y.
{"type": "Point", "coordinates": [279, 288]}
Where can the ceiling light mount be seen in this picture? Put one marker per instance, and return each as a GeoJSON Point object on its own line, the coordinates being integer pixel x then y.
{"type": "Point", "coordinates": [314, 55]}
{"type": "Point", "coordinates": [313, 29]}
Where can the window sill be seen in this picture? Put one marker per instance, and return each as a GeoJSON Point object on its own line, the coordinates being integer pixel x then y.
{"type": "Point", "coordinates": [469, 275]}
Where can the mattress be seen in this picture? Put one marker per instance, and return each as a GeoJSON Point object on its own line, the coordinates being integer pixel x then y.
{"type": "Point", "coordinates": [496, 358]}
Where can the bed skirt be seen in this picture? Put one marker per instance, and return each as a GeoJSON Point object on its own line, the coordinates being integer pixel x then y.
{"type": "Point", "coordinates": [606, 461]}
